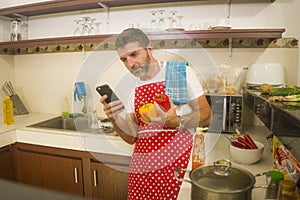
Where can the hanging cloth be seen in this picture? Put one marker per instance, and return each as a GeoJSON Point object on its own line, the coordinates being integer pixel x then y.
{"type": "Point", "coordinates": [176, 82]}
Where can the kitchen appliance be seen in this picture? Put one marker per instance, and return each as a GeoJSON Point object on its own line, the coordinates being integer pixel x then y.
{"type": "Point", "coordinates": [219, 181]}
{"type": "Point", "coordinates": [226, 112]}
{"type": "Point", "coordinates": [269, 73]}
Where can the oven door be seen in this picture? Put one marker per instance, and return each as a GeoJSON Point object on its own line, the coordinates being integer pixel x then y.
{"type": "Point", "coordinates": [227, 112]}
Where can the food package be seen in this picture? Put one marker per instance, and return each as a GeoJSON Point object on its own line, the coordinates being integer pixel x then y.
{"type": "Point", "coordinates": [226, 80]}
{"type": "Point", "coordinates": [284, 161]}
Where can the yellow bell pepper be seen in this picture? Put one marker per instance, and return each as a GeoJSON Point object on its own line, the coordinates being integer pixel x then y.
{"type": "Point", "coordinates": [149, 109]}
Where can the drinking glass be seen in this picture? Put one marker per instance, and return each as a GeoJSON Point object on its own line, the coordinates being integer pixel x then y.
{"type": "Point", "coordinates": [153, 23]}
{"type": "Point", "coordinates": [173, 19]}
{"type": "Point", "coordinates": [161, 21]}
{"type": "Point", "coordinates": [92, 25]}
{"type": "Point", "coordinates": [86, 25]}
{"type": "Point", "coordinates": [78, 29]}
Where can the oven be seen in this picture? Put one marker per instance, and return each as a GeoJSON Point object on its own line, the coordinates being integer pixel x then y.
{"type": "Point", "coordinates": [226, 112]}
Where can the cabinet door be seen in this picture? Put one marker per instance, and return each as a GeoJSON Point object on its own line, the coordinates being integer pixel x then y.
{"type": "Point", "coordinates": [109, 181]}
{"type": "Point", "coordinates": [6, 163]}
{"type": "Point", "coordinates": [50, 171]}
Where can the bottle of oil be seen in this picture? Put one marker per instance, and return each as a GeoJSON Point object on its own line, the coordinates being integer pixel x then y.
{"type": "Point", "coordinates": [198, 157]}
{"type": "Point", "coordinates": [8, 111]}
{"type": "Point", "coordinates": [272, 189]}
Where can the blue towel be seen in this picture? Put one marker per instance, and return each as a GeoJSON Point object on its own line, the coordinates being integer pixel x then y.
{"type": "Point", "coordinates": [176, 83]}
{"type": "Point", "coordinates": [79, 90]}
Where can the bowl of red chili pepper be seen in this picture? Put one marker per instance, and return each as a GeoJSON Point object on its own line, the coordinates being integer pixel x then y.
{"type": "Point", "coordinates": [244, 150]}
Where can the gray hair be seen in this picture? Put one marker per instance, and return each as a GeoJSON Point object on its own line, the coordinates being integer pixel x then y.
{"type": "Point", "coordinates": [132, 35]}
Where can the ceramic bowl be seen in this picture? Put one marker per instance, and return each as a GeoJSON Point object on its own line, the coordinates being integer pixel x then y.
{"type": "Point", "coordinates": [247, 156]}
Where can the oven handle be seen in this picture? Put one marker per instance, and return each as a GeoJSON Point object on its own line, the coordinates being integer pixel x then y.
{"type": "Point", "coordinates": [224, 114]}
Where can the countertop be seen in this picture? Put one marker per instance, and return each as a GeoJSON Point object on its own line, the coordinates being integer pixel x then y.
{"type": "Point", "coordinates": [282, 118]}
{"type": "Point", "coordinates": [216, 146]}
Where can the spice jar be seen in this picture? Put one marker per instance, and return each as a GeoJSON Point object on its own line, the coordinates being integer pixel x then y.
{"type": "Point", "coordinates": [286, 190]}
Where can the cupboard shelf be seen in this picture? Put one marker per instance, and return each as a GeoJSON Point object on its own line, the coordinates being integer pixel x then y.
{"type": "Point", "coordinates": [58, 6]}
{"type": "Point", "coordinates": [199, 34]}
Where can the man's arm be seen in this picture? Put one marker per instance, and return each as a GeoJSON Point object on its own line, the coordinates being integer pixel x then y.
{"type": "Point", "coordinates": [201, 113]}
{"type": "Point", "coordinates": [126, 128]}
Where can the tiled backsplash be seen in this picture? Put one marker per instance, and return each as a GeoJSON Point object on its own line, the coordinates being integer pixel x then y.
{"type": "Point", "coordinates": [159, 44]}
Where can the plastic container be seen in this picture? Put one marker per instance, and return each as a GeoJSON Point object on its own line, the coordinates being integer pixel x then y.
{"type": "Point", "coordinates": [286, 190]}
{"type": "Point", "coordinates": [198, 157]}
{"type": "Point", "coordinates": [272, 189]}
{"type": "Point", "coordinates": [8, 111]}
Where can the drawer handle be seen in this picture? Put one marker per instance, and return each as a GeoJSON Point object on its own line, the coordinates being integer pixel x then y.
{"type": "Point", "coordinates": [224, 114]}
{"type": "Point", "coordinates": [76, 175]}
{"type": "Point", "coordinates": [95, 178]}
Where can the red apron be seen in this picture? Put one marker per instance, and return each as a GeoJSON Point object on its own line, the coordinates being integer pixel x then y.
{"type": "Point", "coordinates": [158, 151]}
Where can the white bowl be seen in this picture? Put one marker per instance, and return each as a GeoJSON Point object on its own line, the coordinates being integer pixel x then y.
{"type": "Point", "coordinates": [247, 156]}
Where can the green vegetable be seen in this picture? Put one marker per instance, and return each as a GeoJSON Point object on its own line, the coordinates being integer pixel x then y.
{"type": "Point", "coordinates": [295, 97]}
{"type": "Point", "coordinates": [285, 91]}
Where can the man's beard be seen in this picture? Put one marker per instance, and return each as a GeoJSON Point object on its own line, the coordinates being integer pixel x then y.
{"type": "Point", "coordinates": [140, 71]}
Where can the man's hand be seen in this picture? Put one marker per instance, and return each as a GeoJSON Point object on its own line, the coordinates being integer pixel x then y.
{"type": "Point", "coordinates": [168, 118]}
{"type": "Point", "coordinates": [112, 109]}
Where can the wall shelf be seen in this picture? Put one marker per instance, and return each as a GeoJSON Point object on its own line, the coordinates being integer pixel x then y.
{"type": "Point", "coordinates": [58, 6]}
{"type": "Point", "coordinates": [199, 34]}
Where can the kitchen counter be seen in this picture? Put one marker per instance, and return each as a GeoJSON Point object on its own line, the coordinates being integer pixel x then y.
{"type": "Point", "coordinates": [217, 148]}
{"type": "Point", "coordinates": [282, 118]}
{"type": "Point", "coordinates": [220, 150]}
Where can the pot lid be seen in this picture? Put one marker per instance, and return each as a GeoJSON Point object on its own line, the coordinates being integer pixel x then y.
{"type": "Point", "coordinates": [222, 178]}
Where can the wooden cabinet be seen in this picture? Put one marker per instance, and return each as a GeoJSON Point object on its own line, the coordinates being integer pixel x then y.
{"type": "Point", "coordinates": [109, 181]}
{"type": "Point", "coordinates": [6, 163]}
{"type": "Point", "coordinates": [72, 171]}
{"type": "Point", "coordinates": [45, 169]}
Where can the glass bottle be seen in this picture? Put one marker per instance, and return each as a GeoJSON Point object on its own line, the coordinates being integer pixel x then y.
{"type": "Point", "coordinates": [8, 111]}
{"type": "Point", "coordinates": [15, 32]}
{"type": "Point", "coordinates": [286, 190]}
{"type": "Point", "coordinates": [198, 157]}
{"type": "Point", "coordinates": [297, 190]}
{"type": "Point", "coordinates": [272, 189]}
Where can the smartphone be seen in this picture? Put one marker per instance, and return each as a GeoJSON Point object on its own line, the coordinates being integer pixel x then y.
{"type": "Point", "coordinates": [105, 89]}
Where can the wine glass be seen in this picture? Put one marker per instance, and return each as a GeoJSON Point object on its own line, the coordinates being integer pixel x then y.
{"type": "Point", "coordinates": [173, 19]}
{"type": "Point", "coordinates": [179, 23]}
{"type": "Point", "coordinates": [161, 21]}
{"type": "Point", "coordinates": [153, 23]}
{"type": "Point", "coordinates": [86, 25]}
{"type": "Point", "coordinates": [92, 25]}
{"type": "Point", "coordinates": [78, 29]}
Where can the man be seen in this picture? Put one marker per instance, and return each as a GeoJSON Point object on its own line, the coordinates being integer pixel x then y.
{"type": "Point", "coordinates": [165, 142]}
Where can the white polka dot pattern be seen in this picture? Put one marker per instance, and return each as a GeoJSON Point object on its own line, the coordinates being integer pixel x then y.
{"type": "Point", "coordinates": [156, 154]}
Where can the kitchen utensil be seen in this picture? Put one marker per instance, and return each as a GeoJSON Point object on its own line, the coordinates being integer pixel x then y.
{"type": "Point", "coordinates": [269, 73]}
{"type": "Point", "coordinates": [219, 181]}
{"type": "Point", "coordinates": [6, 93]}
{"type": "Point", "coordinates": [9, 88]}
{"type": "Point", "coordinates": [247, 156]}
{"type": "Point", "coordinates": [19, 108]}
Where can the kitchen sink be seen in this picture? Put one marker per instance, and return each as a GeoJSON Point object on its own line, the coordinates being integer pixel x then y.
{"type": "Point", "coordinates": [72, 124]}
